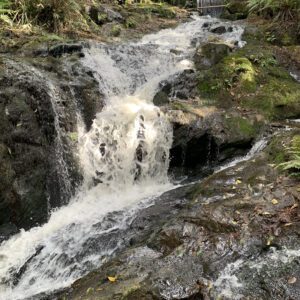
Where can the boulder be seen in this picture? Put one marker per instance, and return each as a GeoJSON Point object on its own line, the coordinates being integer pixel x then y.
{"type": "Point", "coordinates": [210, 54]}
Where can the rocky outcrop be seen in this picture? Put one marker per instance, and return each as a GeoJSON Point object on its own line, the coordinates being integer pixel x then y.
{"type": "Point", "coordinates": [236, 234]}
{"type": "Point", "coordinates": [210, 54]}
{"type": "Point", "coordinates": [39, 102]}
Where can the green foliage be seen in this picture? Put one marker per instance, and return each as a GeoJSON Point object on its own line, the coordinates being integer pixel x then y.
{"type": "Point", "coordinates": [53, 14]}
{"type": "Point", "coordinates": [293, 164]}
{"type": "Point", "coordinates": [282, 10]}
{"type": "Point", "coordinates": [116, 30]}
{"type": "Point", "coordinates": [6, 13]}
{"type": "Point", "coordinates": [131, 23]}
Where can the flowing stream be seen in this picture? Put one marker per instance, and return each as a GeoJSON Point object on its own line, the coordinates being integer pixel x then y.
{"type": "Point", "coordinates": [124, 158]}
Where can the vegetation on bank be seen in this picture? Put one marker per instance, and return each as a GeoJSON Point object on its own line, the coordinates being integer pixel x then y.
{"type": "Point", "coordinates": [61, 15]}
{"type": "Point", "coordinates": [279, 10]}
{"type": "Point", "coordinates": [292, 163]}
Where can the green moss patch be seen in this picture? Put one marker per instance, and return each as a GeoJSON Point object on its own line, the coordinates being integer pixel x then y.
{"type": "Point", "coordinates": [252, 78]}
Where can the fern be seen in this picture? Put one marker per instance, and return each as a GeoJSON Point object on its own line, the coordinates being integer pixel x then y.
{"type": "Point", "coordinates": [293, 165]}
{"type": "Point", "coordinates": [282, 10]}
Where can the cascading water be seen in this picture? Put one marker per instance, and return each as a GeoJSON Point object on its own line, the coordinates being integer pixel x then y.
{"type": "Point", "coordinates": [124, 158]}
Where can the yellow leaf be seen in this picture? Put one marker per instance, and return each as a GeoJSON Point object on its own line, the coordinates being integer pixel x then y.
{"type": "Point", "coordinates": [112, 279]}
{"type": "Point", "coordinates": [238, 181]}
{"type": "Point", "coordinates": [274, 202]}
{"type": "Point", "coordinates": [266, 213]}
{"type": "Point", "coordinates": [288, 224]}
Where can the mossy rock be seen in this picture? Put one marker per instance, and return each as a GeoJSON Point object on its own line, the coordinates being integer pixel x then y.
{"type": "Point", "coordinates": [252, 78]}
{"type": "Point", "coordinates": [210, 54]}
{"type": "Point", "coordinates": [235, 10]}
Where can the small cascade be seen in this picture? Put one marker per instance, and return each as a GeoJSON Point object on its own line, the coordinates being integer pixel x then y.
{"type": "Point", "coordinates": [124, 158]}
{"type": "Point", "coordinates": [52, 92]}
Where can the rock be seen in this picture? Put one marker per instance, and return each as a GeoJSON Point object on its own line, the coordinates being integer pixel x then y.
{"type": "Point", "coordinates": [161, 99]}
{"type": "Point", "coordinates": [221, 232]}
{"type": "Point", "coordinates": [7, 230]}
{"type": "Point", "coordinates": [102, 14]}
{"type": "Point", "coordinates": [204, 137]}
{"type": "Point", "coordinates": [219, 29]}
{"type": "Point", "coordinates": [179, 86]}
{"type": "Point", "coordinates": [57, 50]}
{"type": "Point", "coordinates": [210, 54]}
{"type": "Point", "coordinates": [62, 49]}
{"type": "Point", "coordinates": [31, 176]}
{"type": "Point", "coordinates": [236, 10]}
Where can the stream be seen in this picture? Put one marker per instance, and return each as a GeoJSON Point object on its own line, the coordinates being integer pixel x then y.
{"type": "Point", "coordinates": [124, 159]}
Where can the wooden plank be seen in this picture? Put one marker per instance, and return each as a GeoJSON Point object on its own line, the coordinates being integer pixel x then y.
{"type": "Point", "coordinates": [213, 6]}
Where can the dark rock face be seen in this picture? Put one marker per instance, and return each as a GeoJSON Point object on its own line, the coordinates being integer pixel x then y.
{"type": "Point", "coordinates": [200, 142]}
{"type": "Point", "coordinates": [36, 102]}
{"type": "Point", "coordinates": [219, 29]}
{"type": "Point", "coordinates": [180, 86]}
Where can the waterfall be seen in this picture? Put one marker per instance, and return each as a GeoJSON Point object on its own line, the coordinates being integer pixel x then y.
{"type": "Point", "coordinates": [124, 158]}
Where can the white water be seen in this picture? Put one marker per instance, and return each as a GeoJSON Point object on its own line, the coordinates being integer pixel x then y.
{"type": "Point", "coordinates": [124, 159]}
{"type": "Point", "coordinates": [229, 286]}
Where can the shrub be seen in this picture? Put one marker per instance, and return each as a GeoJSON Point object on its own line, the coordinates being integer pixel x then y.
{"type": "Point", "coordinates": [283, 10]}
{"type": "Point", "coordinates": [116, 30]}
{"type": "Point", "coordinates": [52, 14]}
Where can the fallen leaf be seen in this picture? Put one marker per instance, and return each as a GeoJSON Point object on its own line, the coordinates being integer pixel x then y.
{"type": "Point", "coordinates": [112, 279]}
{"type": "Point", "coordinates": [274, 201]}
{"type": "Point", "coordinates": [292, 280]}
{"type": "Point", "coordinates": [266, 213]}
{"type": "Point", "coordinates": [288, 224]}
{"type": "Point", "coordinates": [238, 181]}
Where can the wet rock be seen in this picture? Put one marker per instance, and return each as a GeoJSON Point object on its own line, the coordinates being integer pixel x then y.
{"type": "Point", "coordinates": [219, 29]}
{"type": "Point", "coordinates": [161, 99]}
{"type": "Point", "coordinates": [102, 14]}
{"type": "Point", "coordinates": [180, 86]}
{"type": "Point", "coordinates": [204, 137]}
{"type": "Point", "coordinates": [220, 243]}
{"type": "Point", "coordinates": [58, 50]}
{"type": "Point", "coordinates": [210, 54]}
{"type": "Point", "coordinates": [7, 230]}
{"type": "Point", "coordinates": [36, 98]}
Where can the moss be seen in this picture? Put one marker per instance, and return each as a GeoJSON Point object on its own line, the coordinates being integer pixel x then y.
{"type": "Point", "coordinates": [176, 105]}
{"type": "Point", "coordinates": [253, 79]}
{"type": "Point", "coordinates": [296, 141]}
{"type": "Point", "coordinates": [116, 30]}
{"type": "Point", "coordinates": [242, 126]}
{"type": "Point", "coordinates": [159, 9]}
